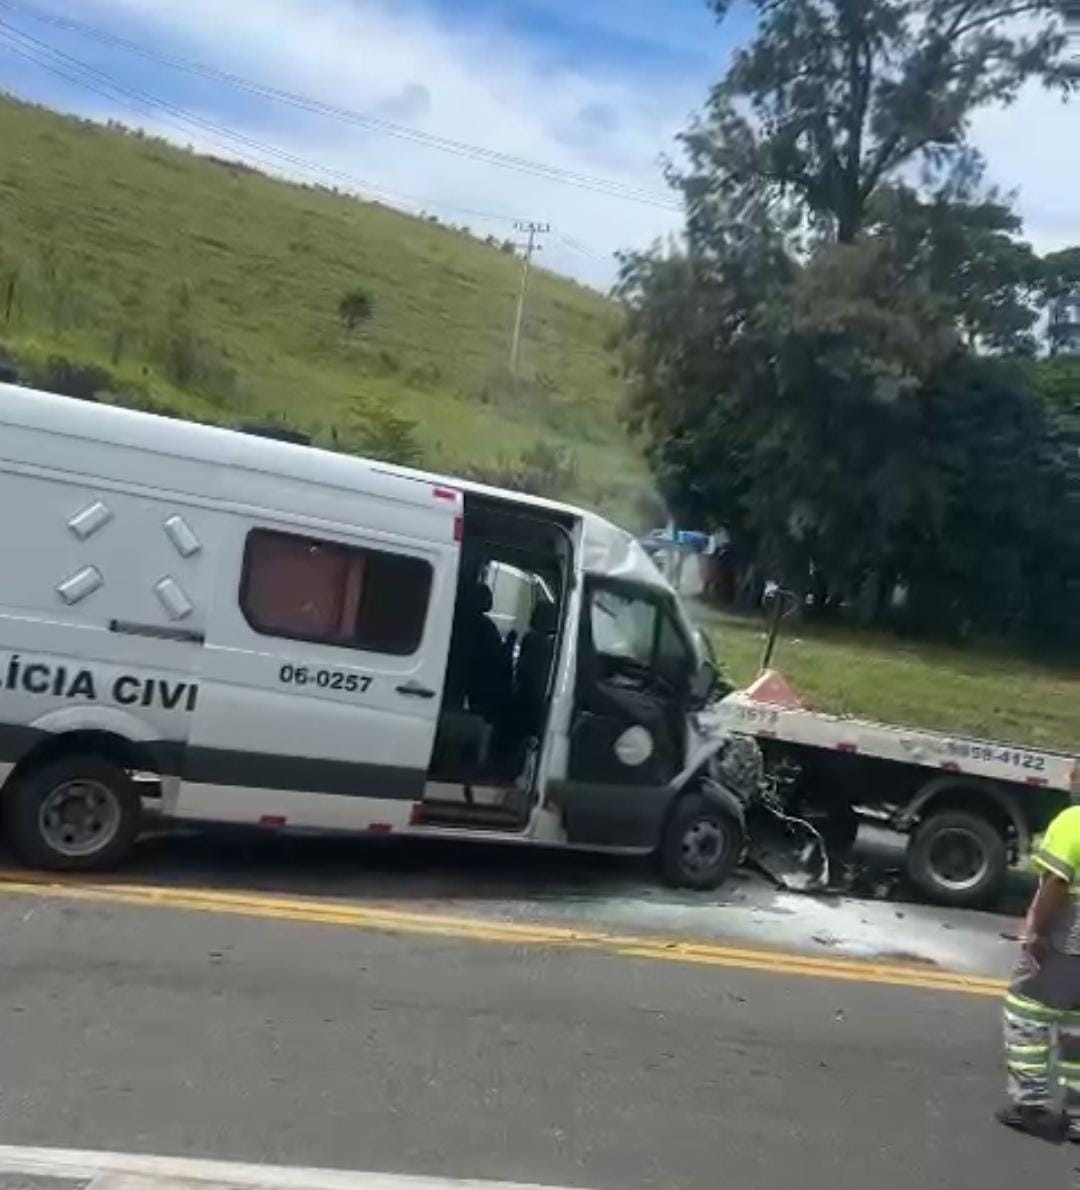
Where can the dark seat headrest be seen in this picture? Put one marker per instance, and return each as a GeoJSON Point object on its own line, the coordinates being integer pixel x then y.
{"type": "Point", "coordinates": [483, 600]}
{"type": "Point", "coordinates": [545, 618]}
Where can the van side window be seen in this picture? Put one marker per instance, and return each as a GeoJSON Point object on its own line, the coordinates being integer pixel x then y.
{"type": "Point", "coordinates": [321, 591]}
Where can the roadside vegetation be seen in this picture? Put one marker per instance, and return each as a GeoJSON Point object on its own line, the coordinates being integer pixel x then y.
{"type": "Point", "coordinates": [135, 272]}
{"type": "Point", "coordinates": [841, 361]}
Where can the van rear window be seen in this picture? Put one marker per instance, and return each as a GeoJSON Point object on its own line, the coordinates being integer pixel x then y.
{"type": "Point", "coordinates": [302, 588]}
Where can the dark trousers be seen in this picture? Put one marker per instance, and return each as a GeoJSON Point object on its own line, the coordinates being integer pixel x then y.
{"type": "Point", "coordinates": [1042, 1032]}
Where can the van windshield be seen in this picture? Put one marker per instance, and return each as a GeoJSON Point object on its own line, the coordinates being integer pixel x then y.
{"type": "Point", "coordinates": [635, 626]}
{"type": "Point", "coordinates": [623, 626]}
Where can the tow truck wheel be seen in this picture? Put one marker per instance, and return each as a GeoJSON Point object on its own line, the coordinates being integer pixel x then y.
{"type": "Point", "coordinates": [701, 844]}
{"type": "Point", "coordinates": [77, 813]}
{"type": "Point", "coordinates": [957, 858]}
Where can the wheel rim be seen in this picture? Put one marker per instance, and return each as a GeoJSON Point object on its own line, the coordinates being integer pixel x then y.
{"type": "Point", "coordinates": [79, 817]}
{"type": "Point", "coordinates": [703, 845]}
{"type": "Point", "coordinates": [957, 859]}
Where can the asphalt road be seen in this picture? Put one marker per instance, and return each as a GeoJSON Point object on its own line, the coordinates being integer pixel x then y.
{"type": "Point", "coordinates": [240, 1030]}
{"type": "Point", "coordinates": [528, 885]}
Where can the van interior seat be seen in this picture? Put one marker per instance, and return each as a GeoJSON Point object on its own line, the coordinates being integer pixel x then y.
{"type": "Point", "coordinates": [462, 747]}
{"type": "Point", "coordinates": [536, 657]}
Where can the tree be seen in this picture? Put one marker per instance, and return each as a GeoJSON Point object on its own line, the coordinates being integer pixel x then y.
{"type": "Point", "coordinates": [831, 415]}
{"type": "Point", "coordinates": [1002, 554]}
{"type": "Point", "coordinates": [778, 397]}
{"type": "Point", "coordinates": [355, 308]}
{"type": "Point", "coordinates": [967, 252]}
{"type": "Point", "coordinates": [1061, 272]}
{"type": "Point", "coordinates": [833, 98]}
{"type": "Point", "coordinates": [812, 365]}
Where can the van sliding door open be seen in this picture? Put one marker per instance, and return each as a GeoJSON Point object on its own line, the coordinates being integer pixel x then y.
{"type": "Point", "coordinates": [515, 579]}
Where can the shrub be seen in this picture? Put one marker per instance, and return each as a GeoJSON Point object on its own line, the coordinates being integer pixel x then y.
{"type": "Point", "coordinates": [379, 432]}
{"type": "Point", "coordinates": [187, 357]}
{"type": "Point", "coordinates": [356, 308]}
{"type": "Point", "coordinates": [60, 375]}
{"type": "Point", "coordinates": [540, 470]}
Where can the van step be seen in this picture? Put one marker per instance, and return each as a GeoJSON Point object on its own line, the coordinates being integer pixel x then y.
{"type": "Point", "coordinates": [445, 813]}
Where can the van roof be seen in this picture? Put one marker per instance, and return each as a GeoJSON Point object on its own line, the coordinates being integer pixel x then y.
{"type": "Point", "coordinates": [609, 550]}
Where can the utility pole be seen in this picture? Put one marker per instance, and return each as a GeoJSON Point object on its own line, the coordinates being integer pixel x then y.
{"type": "Point", "coordinates": [532, 230]}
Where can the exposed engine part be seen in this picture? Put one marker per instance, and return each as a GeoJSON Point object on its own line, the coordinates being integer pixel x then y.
{"type": "Point", "coordinates": [740, 767]}
{"type": "Point", "coordinates": [786, 782]}
{"type": "Point", "coordinates": [790, 850]}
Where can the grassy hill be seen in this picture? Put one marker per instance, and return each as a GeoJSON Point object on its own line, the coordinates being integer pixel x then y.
{"type": "Point", "coordinates": [209, 290]}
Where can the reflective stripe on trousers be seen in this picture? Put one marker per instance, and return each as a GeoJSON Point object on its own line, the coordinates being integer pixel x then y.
{"type": "Point", "coordinates": [1042, 1033]}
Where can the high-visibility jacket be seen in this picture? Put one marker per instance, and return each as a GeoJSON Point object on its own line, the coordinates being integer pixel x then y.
{"type": "Point", "coordinates": [1059, 855]}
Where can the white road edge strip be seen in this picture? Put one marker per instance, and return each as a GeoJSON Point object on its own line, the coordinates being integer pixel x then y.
{"type": "Point", "coordinates": [105, 1170]}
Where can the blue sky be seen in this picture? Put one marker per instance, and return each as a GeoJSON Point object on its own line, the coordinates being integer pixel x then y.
{"type": "Point", "coordinates": [599, 87]}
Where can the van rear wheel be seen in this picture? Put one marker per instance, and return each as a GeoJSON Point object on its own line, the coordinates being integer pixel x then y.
{"type": "Point", "coordinates": [77, 813]}
{"type": "Point", "coordinates": [701, 844]}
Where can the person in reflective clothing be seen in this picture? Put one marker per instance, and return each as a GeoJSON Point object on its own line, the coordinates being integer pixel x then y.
{"type": "Point", "coordinates": [1042, 1005]}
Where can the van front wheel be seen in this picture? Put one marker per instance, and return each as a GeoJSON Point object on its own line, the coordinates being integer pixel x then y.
{"type": "Point", "coordinates": [701, 844]}
{"type": "Point", "coordinates": [77, 813]}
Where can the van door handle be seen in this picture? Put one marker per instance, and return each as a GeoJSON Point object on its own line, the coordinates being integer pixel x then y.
{"type": "Point", "coordinates": [415, 690]}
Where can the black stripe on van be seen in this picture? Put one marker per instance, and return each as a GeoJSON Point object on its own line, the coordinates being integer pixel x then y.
{"type": "Point", "coordinates": [258, 770]}
{"type": "Point", "coordinates": [261, 770]}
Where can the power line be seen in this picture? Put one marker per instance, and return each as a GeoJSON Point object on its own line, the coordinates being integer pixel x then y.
{"type": "Point", "coordinates": [98, 82]}
{"type": "Point", "coordinates": [583, 249]}
{"type": "Point", "coordinates": [607, 186]}
{"type": "Point", "coordinates": [250, 150]}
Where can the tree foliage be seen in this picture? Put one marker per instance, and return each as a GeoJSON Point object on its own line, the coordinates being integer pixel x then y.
{"type": "Point", "coordinates": [830, 365]}
{"type": "Point", "coordinates": [834, 97]}
{"type": "Point", "coordinates": [1061, 272]}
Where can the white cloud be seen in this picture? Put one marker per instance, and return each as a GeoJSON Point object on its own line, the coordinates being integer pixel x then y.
{"type": "Point", "coordinates": [1033, 148]}
{"type": "Point", "coordinates": [485, 88]}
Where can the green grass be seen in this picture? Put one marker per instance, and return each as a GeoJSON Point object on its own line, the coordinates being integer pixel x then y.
{"type": "Point", "coordinates": [109, 234]}
{"type": "Point", "coordinates": [880, 677]}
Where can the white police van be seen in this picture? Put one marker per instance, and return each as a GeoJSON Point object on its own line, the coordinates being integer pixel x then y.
{"type": "Point", "coordinates": [288, 637]}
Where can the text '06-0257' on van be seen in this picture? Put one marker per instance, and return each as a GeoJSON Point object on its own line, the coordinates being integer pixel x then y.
{"type": "Point", "coordinates": [254, 631]}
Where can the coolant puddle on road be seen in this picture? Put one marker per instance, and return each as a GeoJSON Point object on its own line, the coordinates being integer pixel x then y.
{"type": "Point", "coordinates": [757, 915]}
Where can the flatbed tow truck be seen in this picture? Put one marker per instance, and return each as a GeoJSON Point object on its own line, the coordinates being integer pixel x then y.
{"type": "Point", "coordinates": [970, 807]}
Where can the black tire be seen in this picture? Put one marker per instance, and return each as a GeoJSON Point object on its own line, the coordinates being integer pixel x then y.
{"type": "Point", "coordinates": [968, 875]}
{"type": "Point", "coordinates": [96, 795]}
{"type": "Point", "coordinates": [701, 844]}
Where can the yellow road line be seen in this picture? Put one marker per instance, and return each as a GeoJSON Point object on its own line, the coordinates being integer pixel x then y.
{"type": "Point", "coordinates": [479, 929]}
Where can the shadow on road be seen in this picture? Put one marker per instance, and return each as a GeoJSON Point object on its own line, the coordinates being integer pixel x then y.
{"type": "Point", "coordinates": [429, 870]}
{"type": "Point", "coordinates": [385, 868]}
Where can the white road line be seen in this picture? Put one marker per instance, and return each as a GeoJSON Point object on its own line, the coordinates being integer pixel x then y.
{"type": "Point", "coordinates": [115, 1171]}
